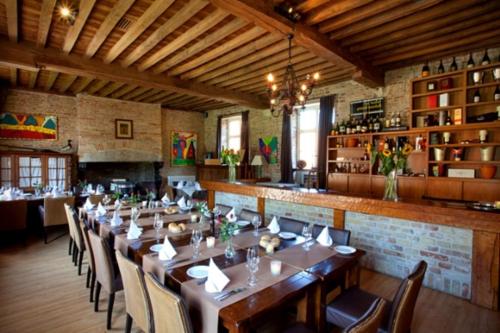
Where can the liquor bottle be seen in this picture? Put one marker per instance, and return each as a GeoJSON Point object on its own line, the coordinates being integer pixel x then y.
{"type": "Point", "coordinates": [364, 124]}
{"type": "Point", "coordinates": [376, 125]}
{"type": "Point", "coordinates": [398, 120]}
{"type": "Point", "coordinates": [370, 125]}
{"type": "Point", "coordinates": [453, 66]}
{"type": "Point", "coordinates": [496, 95]}
{"type": "Point", "coordinates": [387, 122]}
{"type": "Point", "coordinates": [470, 62]}
{"type": "Point", "coordinates": [348, 127]}
{"type": "Point", "coordinates": [342, 128]}
{"type": "Point", "coordinates": [441, 67]}
{"type": "Point", "coordinates": [486, 59]}
{"type": "Point", "coordinates": [448, 119]}
{"type": "Point", "coordinates": [477, 96]}
{"type": "Point", "coordinates": [393, 120]}
{"type": "Point", "coordinates": [425, 70]}
{"type": "Point", "coordinates": [358, 126]}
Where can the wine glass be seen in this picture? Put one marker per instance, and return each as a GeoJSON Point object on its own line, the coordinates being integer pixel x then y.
{"type": "Point", "coordinates": [158, 225]}
{"type": "Point", "coordinates": [252, 265]}
{"type": "Point", "coordinates": [196, 238]}
{"type": "Point", "coordinates": [256, 224]}
{"type": "Point", "coordinates": [106, 200]}
{"type": "Point", "coordinates": [307, 233]}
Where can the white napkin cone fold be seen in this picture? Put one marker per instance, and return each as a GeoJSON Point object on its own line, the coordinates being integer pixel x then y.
{"type": "Point", "coordinates": [167, 251]}
{"type": "Point", "coordinates": [134, 232]}
{"type": "Point", "coordinates": [117, 203]}
{"type": "Point", "coordinates": [88, 205]}
{"type": "Point", "coordinates": [165, 199]}
{"type": "Point", "coordinates": [197, 186]}
{"type": "Point", "coordinates": [324, 237]}
{"type": "Point", "coordinates": [274, 227]}
{"type": "Point", "coordinates": [181, 203]}
{"type": "Point", "coordinates": [180, 184]}
{"type": "Point", "coordinates": [7, 194]}
{"type": "Point", "coordinates": [116, 220]}
{"type": "Point", "coordinates": [101, 211]}
{"type": "Point", "coordinates": [231, 216]}
{"type": "Point", "coordinates": [216, 279]}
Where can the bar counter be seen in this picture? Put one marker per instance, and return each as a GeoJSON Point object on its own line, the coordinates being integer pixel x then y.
{"type": "Point", "coordinates": [484, 227]}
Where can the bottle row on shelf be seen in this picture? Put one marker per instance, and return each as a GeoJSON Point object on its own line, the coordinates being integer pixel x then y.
{"type": "Point", "coordinates": [367, 124]}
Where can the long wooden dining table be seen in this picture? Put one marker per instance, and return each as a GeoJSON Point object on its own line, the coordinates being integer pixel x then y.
{"type": "Point", "coordinates": [305, 286]}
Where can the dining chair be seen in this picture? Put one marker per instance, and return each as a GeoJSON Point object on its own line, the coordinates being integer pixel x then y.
{"type": "Point", "coordinates": [371, 320]}
{"type": "Point", "coordinates": [169, 311]}
{"type": "Point", "coordinates": [350, 305]}
{"type": "Point", "coordinates": [90, 258]}
{"type": "Point", "coordinates": [53, 214]}
{"type": "Point", "coordinates": [224, 209]}
{"type": "Point", "coordinates": [136, 297]}
{"type": "Point", "coordinates": [13, 214]}
{"type": "Point", "coordinates": [79, 245]}
{"type": "Point", "coordinates": [291, 225]}
{"type": "Point", "coordinates": [339, 236]}
{"type": "Point", "coordinates": [247, 215]}
{"type": "Point", "coordinates": [106, 275]}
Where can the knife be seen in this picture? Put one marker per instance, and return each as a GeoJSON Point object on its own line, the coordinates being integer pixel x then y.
{"type": "Point", "coordinates": [231, 293]}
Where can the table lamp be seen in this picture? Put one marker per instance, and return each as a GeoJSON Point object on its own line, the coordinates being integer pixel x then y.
{"type": "Point", "coordinates": [258, 161]}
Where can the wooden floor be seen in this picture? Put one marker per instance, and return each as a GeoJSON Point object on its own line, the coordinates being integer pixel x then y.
{"type": "Point", "coordinates": [41, 292]}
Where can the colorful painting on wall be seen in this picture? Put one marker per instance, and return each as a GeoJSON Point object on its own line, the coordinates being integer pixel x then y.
{"type": "Point", "coordinates": [183, 148]}
{"type": "Point", "coordinates": [268, 147]}
{"type": "Point", "coordinates": [27, 127]}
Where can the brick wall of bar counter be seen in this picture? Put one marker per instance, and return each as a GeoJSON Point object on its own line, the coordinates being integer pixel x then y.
{"type": "Point", "coordinates": [393, 246]}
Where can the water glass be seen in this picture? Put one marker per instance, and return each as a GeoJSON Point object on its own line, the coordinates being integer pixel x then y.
{"type": "Point", "coordinates": [106, 200]}
{"type": "Point", "coordinates": [256, 224]}
{"type": "Point", "coordinates": [158, 225]}
{"type": "Point", "coordinates": [252, 265]}
{"type": "Point", "coordinates": [196, 238]}
{"type": "Point", "coordinates": [307, 233]}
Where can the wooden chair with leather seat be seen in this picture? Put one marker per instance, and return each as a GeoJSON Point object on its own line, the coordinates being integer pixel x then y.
{"type": "Point", "coordinates": [13, 214]}
{"type": "Point", "coordinates": [223, 209]}
{"type": "Point", "coordinates": [53, 213]}
{"type": "Point", "coordinates": [169, 311]}
{"type": "Point", "coordinates": [79, 245]}
{"type": "Point", "coordinates": [349, 306]}
{"type": "Point", "coordinates": [136, 296]}
{"type": "Point", "coordinates": [90, 258]}
{"type": "Point", "coordinates": [247, 215]}
{"type": "Point", "coordinates": [371, 320]}
{"type": "Point", "coordinates": [339, 236]}
{"type": "Point", "coordinates": [106, 275]}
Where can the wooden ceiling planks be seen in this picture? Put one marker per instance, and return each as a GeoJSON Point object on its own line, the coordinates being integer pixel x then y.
{"type": "Point", "coordinates": [74, 30]}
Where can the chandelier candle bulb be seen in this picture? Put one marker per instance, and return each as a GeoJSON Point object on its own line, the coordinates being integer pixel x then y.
{"type": "Point", "coordinates": [270, 77]}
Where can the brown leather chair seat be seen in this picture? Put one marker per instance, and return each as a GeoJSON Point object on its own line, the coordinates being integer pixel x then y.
{"type": "Point", "coordinates": [247, 215]}
{"type": "Point", "coordinates": [339, 236]}
{"type": "Point", "coordinates": [371, 321]}
{"type": "Point", "coordinates": [291, 225]}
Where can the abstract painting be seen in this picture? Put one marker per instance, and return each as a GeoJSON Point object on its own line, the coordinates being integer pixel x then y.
{"type": "Point", "coordinates": [183, 148]}
{"type": "Point", "coordinates": [268, 147]}
{"type": "Point", "coordinates": [27, 126]}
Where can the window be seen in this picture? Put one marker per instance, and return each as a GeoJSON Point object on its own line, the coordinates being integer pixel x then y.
{"type": "Point", "coordinates": [6, 171]}
{"type": "Point", "coordinates": [30, 171]}
{"type": "Point", "coordinates": [305, 135]}
{"type": "Point", "coordinates": [57, 172]}
{"type": "Point", "coordinates": [231, 132]}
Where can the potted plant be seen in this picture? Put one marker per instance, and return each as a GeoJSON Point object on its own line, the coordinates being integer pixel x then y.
{"type": "Point", "coordinates": [230, 158]}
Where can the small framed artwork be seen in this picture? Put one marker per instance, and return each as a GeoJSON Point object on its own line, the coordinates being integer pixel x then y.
{"type": "Point", "coordinates": [124, 129]}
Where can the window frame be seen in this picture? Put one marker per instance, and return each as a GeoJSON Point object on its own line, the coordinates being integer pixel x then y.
{"type": "Point", "coordinates": [297, 132]}
{"type": "Point", "coordinates": [227, 119]}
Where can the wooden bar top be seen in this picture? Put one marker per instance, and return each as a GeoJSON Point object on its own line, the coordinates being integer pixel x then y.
{"type": "Point", "coordinates": [429, 211]}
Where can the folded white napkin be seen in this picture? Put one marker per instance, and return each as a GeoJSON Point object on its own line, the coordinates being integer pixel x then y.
{"type": "Point", "coordinates": [89, 188]}
{"type": "Point", "coordinates": [7, 194]}
{"type": "Point", "coordinates": [181, 203]}
{"type": "Point", "coordinates": [231, 216]}
{"type": "Point", "coordinates": [180, 184]}
{"type": "Point", "coordinates": [274, 227]}
{"type": "Point", "coordinates": [116, 220]}
{"type": "Point", "coordinates": [197, 186]}
{"type": "Point", "coordinates": [165, 199]}
{"type": "Point", "coordinates": [167, 251]}
{"type": "Point", "coordinates": [55, 192]}
{"type": "Point", "coordinates": [101, 211]}
{"type": "Point", "coordinates": [216, 280]}
{"type": "Point", "coordinates": [117, 203]}
{"type": "Point", "coordinates": [134, 232]}
{"type": "Point", "coordinates": [324, 237]}
{"type": "Point", "coordinates": [88, 205]}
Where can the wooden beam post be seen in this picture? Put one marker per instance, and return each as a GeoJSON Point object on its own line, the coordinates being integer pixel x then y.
{"type": "Point", "coordinates": [486, 269]}
{"type": "Point", "coordinates": [211, 199]}
{"type": "Point", "coordinates": [339, 219]}
{"type": "Point", "coordinates": [261, 209]}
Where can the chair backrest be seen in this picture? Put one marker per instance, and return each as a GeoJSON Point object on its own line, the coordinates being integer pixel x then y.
{"type": "Point", "coordinates": [371, 320]}
{"type": "Point", "coordinates": [291, 225]}
{"type": "Point", "coordinates": [13, 215]}
{"type": "Point", "coordinates": [169, 312]}
{"type": "Point", "coordinates": [339, 236]}
{"type": "Point", "coordinates": [136, 296]}
{"type": "Point", "coordinates": [223, 209]}
{"type": "Point", "coordinates": [404, 301]}
{"type": "Point", "coordinates": [96, 198]}
{"type": "Point", "coordinates": [54, 210]}
{"type": "Point", "coordinates": [104, 270]}
{"type": "Point", "coordinates": [86, 241]}
{"type": "Point", "coordinates": [74, 228]}
{"type": "Point", "coordinates": [248, 215]}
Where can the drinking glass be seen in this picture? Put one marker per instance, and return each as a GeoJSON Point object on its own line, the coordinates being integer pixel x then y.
{"type": "Point", "coordinates": [307, 233]}
{"type": "Point", "coordinates": [256, 224]}
{"type": "Point", "coordinates": [158, 225]}
{"type": "Point", "coordinates": [252, 265]}
{"type": "Point", "coordinates": [106, 200]}
{"type": "Point", "coordinates": [196, 238]}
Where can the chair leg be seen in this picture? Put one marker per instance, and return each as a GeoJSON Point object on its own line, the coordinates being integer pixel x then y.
{"type": "Point", "coordinates": [80, 260]}
{"type": "Point", "coordinates": [87, 284]}
{"type": "Point", "coordinates": [111, 302]}
{"type": "Point", "coordinates": [44, 235]}
{"type": "Point", "coordinates": [75, 249]}
{"type": "Point", "coordinates": [128, 324]}
{"type": "Point", "coordinates": [77, 252]}
{"type": "Point", "coordinates": [96, 298]}
{"type": "Point", "coordinates": [70, 246]}
{"type": "Point", "coordinates": [92, 285]}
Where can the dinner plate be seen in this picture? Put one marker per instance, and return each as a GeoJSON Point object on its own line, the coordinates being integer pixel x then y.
{"type": "Point", "coordinates": [243, 223]}
{"type": "Point", "coordinates": [287, 235]}
{"type": "Point", "coordinates": [198, 272]}
{"type": "Point", "coordinates": [156, 248]}
{"type": "Point", "coordinates": [343, 249]}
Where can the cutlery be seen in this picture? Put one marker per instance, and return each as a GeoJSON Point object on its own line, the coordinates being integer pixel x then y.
{"type": "Point", "coordinates": [229, 294]}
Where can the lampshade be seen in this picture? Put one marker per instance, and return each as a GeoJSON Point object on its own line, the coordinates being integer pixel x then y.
{"type": "Point", "coordinates": [257, 160]}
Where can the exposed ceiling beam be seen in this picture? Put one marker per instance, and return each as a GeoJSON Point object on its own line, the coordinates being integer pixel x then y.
{"type": "Point", "coordinates": [76, 28]}
{"type": "Point", "coordinates": [262, 14]}
{"type": "Point", "coordinates": [332, 9]}
{"type": "Point", "coordinates": [51, 79]}
{"type": "Point", "coordinates": [45, 21]}
{"type": "Point", "coordinates": [13, 31]}
{"type": "Point", "coordinates": [25, 55]}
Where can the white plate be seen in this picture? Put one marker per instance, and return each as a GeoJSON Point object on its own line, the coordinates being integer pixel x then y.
{"type": "Point", "coordinates": [156, 248]}
{"type": "Point", "coordinates": [342, 249]}
{"type": "Point", "coordinates": [242, 223]}
{"type": "Point", "coordinates": [287, 235]}
{"type": "Point", "coordinates": [198, 272]}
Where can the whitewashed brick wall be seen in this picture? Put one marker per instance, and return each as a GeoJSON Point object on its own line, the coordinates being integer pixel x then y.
{"type": "Point", "coordinates": [317, 215]}
{"type": "Point", "coordinates": [239, 202]}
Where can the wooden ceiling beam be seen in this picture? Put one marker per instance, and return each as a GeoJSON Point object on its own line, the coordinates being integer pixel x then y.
{"type": "Point", "coordinates": [51, 79]}
{"type": "Point", "coordinates": [123, 91]}
{"type": "Point", "coordinates": [180, 17]}
{"type": "Point", "coordinates": [66, 83]}
{"type": "Point", "coordinates": [83, 82]}
{"type": "Point", "coordinates": [96, 85]}
{"type": "Point", "coordinates": [75, 29]}
{"type": "Point", "coordinates": [11, 10]}
{"type": "Point", "coordinates": [156, 96]}
{"type": "Point", "coordinates": [44, 22]}
{"type": "Point", "coordinates": [32, 79]}
{"type": "Point", "coordinates": [110, 88]}
{"type": "Point", "coordinates": [134, 93]}
{"type": "Point", "coordinates": [146, 95]}
{"type": "Point", "coordinates": [137, 28]}
{"type": "Point", "coordinates": [13, 76]}
{"type": "Point", "coordinates": [116, 13]}
{"type": "Point", "coordinates": [306, 6]}
{"type": "Point", "coordinates": [333, 9]}
{"type": "Point", "coordinates": [25, 54]}
{"type": "Point", "coordinates": [159, 98]}
{"type": "Point", "coordinates": [261, 13]}
{"type": "Point", "coordinates": [196, 48]}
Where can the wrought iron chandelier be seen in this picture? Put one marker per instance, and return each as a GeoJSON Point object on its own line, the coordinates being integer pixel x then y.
{"type": "Point", "coordinates": [291, 93]}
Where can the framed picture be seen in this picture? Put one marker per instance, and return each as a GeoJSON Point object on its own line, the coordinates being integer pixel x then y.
{"type": "Point", "coordinates": [124, 129]}
{"type": "Point", "coordinates": [183, 148]}
{"type": "Point", "coordinates": [28, 126]}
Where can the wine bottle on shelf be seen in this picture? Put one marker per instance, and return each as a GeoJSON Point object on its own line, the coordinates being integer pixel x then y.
{"type": "Point", "coordinates": [398, 120]}
{"type": "Point", "coordinates": [425, 70]}
{"type": "Point", "coordinates": [486, 58]}
{"type": "Point", "coordinates": [387, 122]}
{"type": "Point", "coordinates": [348, 127]}
{"type": "Point", "coordinates": [496, 95]}
{"type": "Point", "coordinates": [342, 128]}
{"type": "Point", "coordinates": [477, 96]}
{"type": "Point", "coordinates": [358, 126]}
{"type": "Point", "coordinates": [470, 62]}
{"type": "Point", "coordinates": [364, 124]}
{"type": "Point", "coordinates": [453, 66]}
{"type": "Point", "coordinates": [376, 125]}
{"type": "Point", "coordinates": [393, 120]}
{"type": "Point", "coordinates": [440, 67]}
{"type": "Point", "coordinates": [448, 119]}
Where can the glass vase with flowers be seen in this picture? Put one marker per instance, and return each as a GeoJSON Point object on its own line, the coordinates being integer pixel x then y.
{"type": "Point", "coordinates": [227, 230]}
{"type": "Point", "coordinates": [231, 159]}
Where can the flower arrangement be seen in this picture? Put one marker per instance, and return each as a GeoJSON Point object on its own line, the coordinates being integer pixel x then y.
{"type": "Point", "coordinates": [230, 157]}
{"type": "Point", "coordinates": [202, 207]}
{"type": "Point", "coordinates": [227, 229]}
